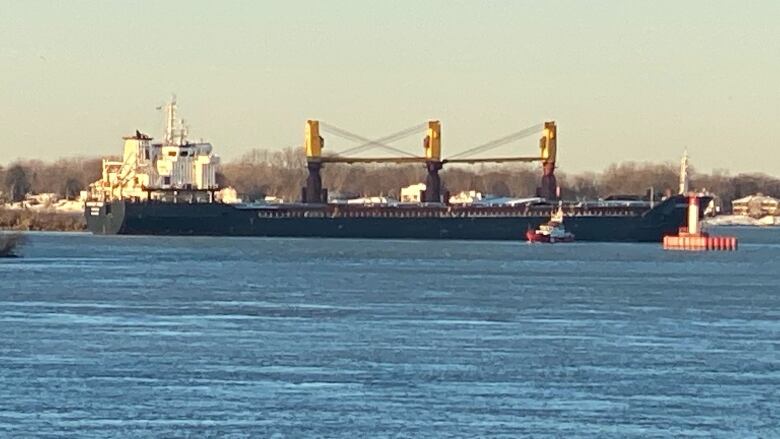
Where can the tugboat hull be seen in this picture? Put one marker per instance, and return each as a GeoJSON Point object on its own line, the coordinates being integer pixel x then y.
{"type": "Point", "coordinates": [532, 236]}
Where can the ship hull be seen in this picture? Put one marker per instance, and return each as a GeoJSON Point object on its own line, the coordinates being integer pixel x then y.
{"type": "Point", "coordinates": [215, 219]}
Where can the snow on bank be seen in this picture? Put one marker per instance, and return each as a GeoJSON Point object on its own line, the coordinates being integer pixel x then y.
{"type": "Point", "coordinates": [740, 220]}
{"type": "Point", "coordinates": [59, 206]}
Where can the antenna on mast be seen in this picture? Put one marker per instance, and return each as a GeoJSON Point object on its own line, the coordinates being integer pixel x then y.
{"type": "Point", "coordinates": [183, 131]}
{"type": "Point", "coordinates": [175, 129]}
{"type": "Point", "coordinates": [170, 122]}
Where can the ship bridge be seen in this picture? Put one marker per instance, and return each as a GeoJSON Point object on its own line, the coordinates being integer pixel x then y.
{"type": "Point", "coordinates": [174, 164]}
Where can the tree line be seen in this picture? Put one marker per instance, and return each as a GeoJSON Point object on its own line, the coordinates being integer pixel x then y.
{"type": "Point", "coordinates": [66, 177]}
{"type": "Point", "coordinates": [282, 173]}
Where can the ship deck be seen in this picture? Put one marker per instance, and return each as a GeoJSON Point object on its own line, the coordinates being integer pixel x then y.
{"type": "Point", "coordinates": [439, 210]}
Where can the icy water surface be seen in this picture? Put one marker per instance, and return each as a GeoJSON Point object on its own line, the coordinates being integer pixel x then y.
{"type": "Point", "coordinates": [221, 337]}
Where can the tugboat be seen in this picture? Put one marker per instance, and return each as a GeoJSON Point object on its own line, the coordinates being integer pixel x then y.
{"type": "Point", "coordinates": [551, 232]}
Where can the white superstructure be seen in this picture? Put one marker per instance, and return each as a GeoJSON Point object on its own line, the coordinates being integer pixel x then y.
{"type": "Point", "coordinates": [175, 163]}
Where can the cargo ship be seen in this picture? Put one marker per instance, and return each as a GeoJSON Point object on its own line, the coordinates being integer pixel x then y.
{"type": "Point", "coordinates": [169, 188]}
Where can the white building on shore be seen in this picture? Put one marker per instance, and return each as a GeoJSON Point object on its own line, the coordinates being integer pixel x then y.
{"type": "Point", "coordinates": [413, 193]}
{"type": "Point", "coordinates": [756, 206]}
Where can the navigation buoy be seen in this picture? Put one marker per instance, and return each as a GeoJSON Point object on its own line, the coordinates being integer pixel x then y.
{"type": "Point", "coordinates": [691, 238]}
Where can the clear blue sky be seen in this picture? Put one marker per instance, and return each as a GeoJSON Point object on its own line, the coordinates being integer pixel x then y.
{"type": "Point", "coordinates": [626, 80]}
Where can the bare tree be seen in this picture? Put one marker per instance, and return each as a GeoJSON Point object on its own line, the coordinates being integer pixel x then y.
{"type": "Point", "coordinates": [17, 183]}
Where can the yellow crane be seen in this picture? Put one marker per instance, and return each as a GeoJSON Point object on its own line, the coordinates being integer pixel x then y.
{"type": "Point", "coordinates": [314, 145]}
{"type": "Point", "coordinates": [548, 152]}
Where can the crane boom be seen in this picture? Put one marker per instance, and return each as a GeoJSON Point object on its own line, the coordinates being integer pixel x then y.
{"type": "Point", "coordinates": [493, 160]}
{"type": "Point", "coordinates": [400, 160]}
{"type": "Point", "coordinates": [314, 144]}
{"type": "Point", "coordinates": [547, 148]}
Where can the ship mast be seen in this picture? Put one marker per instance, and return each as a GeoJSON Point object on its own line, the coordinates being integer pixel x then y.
{"type": "Point", "coordinates": [170, 121]}
{"type": "Point", "coordinates": [175, 130]}
{"type": "Point", "coordinates": [684, 173]}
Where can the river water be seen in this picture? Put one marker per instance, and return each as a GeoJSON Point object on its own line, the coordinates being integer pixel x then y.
{"type": "Point", "coordinates": [231, 337]}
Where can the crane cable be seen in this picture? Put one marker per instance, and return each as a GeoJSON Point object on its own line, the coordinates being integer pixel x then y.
{"type": "Point", "coordinates": [368, 143]}
{"type": "Point", "coordinates": [498, 142]}
{"type": "Point", "coordinates": [372, 143]}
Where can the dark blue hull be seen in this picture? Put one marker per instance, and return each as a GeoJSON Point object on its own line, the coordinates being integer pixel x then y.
{"type": "Point", "coordinates": [626, 224]}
